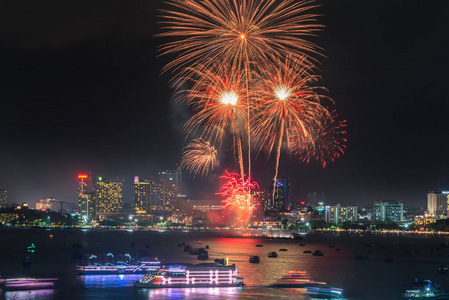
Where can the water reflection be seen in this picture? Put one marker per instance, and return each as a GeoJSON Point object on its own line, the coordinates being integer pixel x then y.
{"type": "Point", "coordinates": [29, 295]}
{"type": "Point", "coordinates": [192, 293]}
{"type": "Point", "coordinates": [109, 281]}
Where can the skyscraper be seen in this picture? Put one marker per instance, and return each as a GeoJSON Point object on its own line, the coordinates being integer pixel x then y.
{"type": "Point", "coordinates": [3, 197]}
{"type": "Point", "coordinates": [171, 182]}
{"type": "Point", "coordinates": [437, 203]}
{"type": "Point", "coordinates": [86, 197]}
{"type": "Point", "coordinates": [156, 196]}
{"type": "Point", "coordinates": [282, 194]}
{"type": "Point", "coordinates": [109, 197]}
{"type": "Point", "coordinates": [141, 198]}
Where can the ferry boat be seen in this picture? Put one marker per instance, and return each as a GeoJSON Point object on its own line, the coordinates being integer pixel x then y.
{"type": "Point", "coordinates": [120, 267]}
{"type": "Point", "coordinates": [425, 289]}
{"type": "Point", "coordinates": [190, 275]}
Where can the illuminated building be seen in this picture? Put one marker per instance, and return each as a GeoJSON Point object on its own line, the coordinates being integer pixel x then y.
{"type": "Point", "coordinates": [109, 197]}
{"type": "Point", "coordinates": [141, 198]}
{"type": "Point", "coordinates": [282, 195]}
{"type": "Point", "coordinates": [87, 206]}
{"type": "Point", "coordinates": [3, 197]}
{"type": "Point", "coordinates": [349, 213]}
{"type": "Point", "coordinates": [437, 203]}
{"type": "Point", "coordinates": [156, 196]}
{"type": "Point", "coordinates": [314, 198]}
{"type": "Point", "coordinates": [171, 182]}
{"type": "Point", "coordinates": [332, 214]}
{"type": "Point", "coordinates": [388, 211]}
{"type": "Point", "coordinates": [338, 214]}
{"type": "Point", "coordinates": [423, 220]}
{"type": "Point", "coordinates": [46, 204]}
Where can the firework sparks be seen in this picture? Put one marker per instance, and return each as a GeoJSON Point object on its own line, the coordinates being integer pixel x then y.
{"type": "Point", "coordinates": [239, 194]}
{"type": "Point", "coordinates": [329, 141]}
{"type": "Point", "coordinates": [237, 31]}
{"type": "Point", "coordinates": [199, 157]}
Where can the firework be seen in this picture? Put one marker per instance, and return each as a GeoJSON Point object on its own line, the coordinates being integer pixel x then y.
{"type": "Point", "coordinates": [199, 157]}
{"type": "Point", "coordinates": [239, 194]}
{"type": "Point", "coordinates": [288, 108]}
{"type": "Point", "coordinates": [239, 32]}
{"type": "Point", "coordinates": [328, 141]}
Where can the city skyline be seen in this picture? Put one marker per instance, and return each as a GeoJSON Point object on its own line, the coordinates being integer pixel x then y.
{"type": "Point", "coordinates": [90, 97]}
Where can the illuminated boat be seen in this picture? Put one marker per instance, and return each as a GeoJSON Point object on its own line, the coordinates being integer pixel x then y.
{"type": "Point", "coordinates": [425, 289]}
{"type": "Point", "coordinates": [27, 283]}
{"type": "Point", "coordinates": [142, 267]}
{"type": "Point", "coordinates": [190, 275]}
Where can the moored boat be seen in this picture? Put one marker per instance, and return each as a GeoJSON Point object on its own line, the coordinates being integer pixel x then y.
{"type": "Point", "coordinates": [272, 254]}
{"type": "Point", "coordinates": [142, 267]}
{"type": "Point", "coordinates": [254, 259]}
{"type": "Point", "coordinates": [425, 289]}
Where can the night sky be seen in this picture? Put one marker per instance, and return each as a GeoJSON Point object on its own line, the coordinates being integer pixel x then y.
{"type": "Point", "coordinates": [81, 91]}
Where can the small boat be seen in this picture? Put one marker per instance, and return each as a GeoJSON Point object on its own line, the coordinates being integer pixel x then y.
{"type": "Point", "coordinates": [207, 246]}
{"type": "Point", "coordinates": [425, 289]}
{"type": "Point", "coordinates": [283, 249]}
{"type": "Point", "coordinates": [26, 261]}
{"type": "Point", "coordinates": [203, 256]}
{"type": "Point", "coordinates": [317, 253]}
{"type": "Point", "coordinates": [254, 259]}
{"type": "Point", "coordinates": [259, 245]}
{"type": "Point", "coordinates": [272, 254]}
{"type": "Point", "coordinates": [220, 261]}
{"type": "Point", "coordinates": [443, 269]}
{"type": "Point", "coordinates": [302, 245]}
{"type": "Point", "coordinates": [307, 251]}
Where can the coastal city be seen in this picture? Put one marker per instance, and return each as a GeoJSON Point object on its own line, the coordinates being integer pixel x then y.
{"type": "Point", "coordinates": [162, 203]}
{"type": "Point", "coordinates": [224, 150]}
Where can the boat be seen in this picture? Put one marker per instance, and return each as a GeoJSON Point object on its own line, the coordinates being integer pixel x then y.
{"type": "Point", "coordinates": [283, 249]}
{"type": "Point", "coordinates": [317, 253]}
{"type": "Point", "coordinates": [142, 267]}
{"type": "Point", "coordinates": [302, 280]}
{"type": "Point", "coordinates": [254, 259]}
{"type": "Point", "coordinates": [272, 254]}
{"type": "Point", "coordinates": [203, 256]}
{"type": "Point", "coordinates": [425, 289]}
{"type": "Point", "coordinates": [302, 245]}
{"type": "Point", "coordinates": [190, 275]}
{"type": "Point", "coordinates": [26, 261]}
{"type": "Point", "coordinates": [27, 283]}
{"type": "Point", "coordinates": [259, 245]}
{"type": "Point", "coordinates": [443, 269]}
{"type": "Point", "coordinates": [307, 251]}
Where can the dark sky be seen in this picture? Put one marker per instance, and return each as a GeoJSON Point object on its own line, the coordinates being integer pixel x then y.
{"type": "Point", "coordinates": [81, 91]}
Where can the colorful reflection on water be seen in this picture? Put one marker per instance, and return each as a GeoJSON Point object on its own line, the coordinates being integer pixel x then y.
{"type": "Point", "coordinates": [30, 295]}
{"type": "Point", "coordinates": [192, 293]}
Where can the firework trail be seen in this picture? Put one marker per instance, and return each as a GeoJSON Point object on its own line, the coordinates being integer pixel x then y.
{"type": "Point", "coordinates": [239, 194]}
{"type": "Point", "coordinates": [329, 141]}
{"type": "Point", "coordinates": [199, 157]}
{"type": "Point", "coordinates": [289, 108]}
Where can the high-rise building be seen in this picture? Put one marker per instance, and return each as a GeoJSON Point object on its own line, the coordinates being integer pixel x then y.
{"type": "Point", "coordinates": [3, 197]}
{"type": "Point", "coordinates": [282, 194]}
{"type": "Point", "coordinates": [86, 197]}
{"type": "Point", "coordinates": [338, 214]}
{"type": "Point", "coordinates": [314, 198]}
{"type": "Point", "coordinates": [388, 211]}
{"type": "Point", "coordinates": [332, 214]}
{"type": "Point", "coordinates": [87, 207]}
{"type": "Point", "coordinates": [349, 213]}
{"type": "Point", "coordinates": [109, 197]}
{"type": "Point", "coordinates": [171, 182]}
{"type": "Point", "coordinates": [141, 198]}
{"type": "Point", "coordinates": [156, 196]}
{"type": "Point", "coordinates": [437, 204]}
